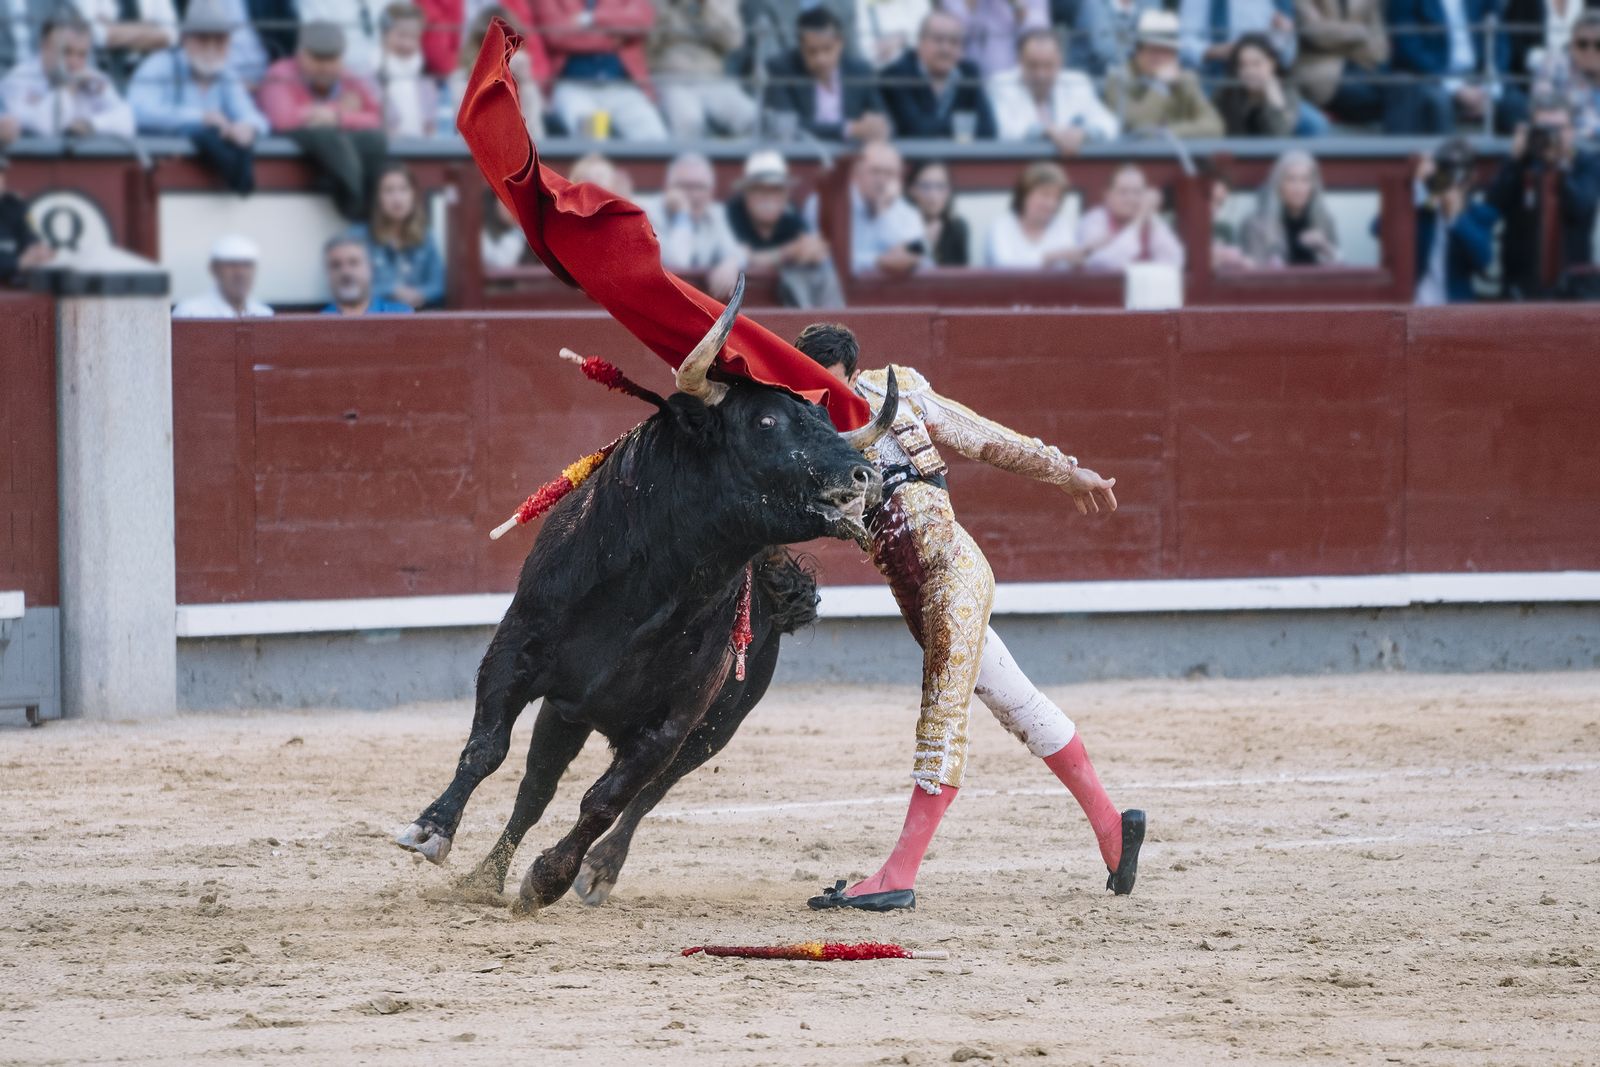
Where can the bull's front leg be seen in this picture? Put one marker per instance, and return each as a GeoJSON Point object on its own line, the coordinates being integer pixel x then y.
{"type": "Point", "coordinates": [638, 761]}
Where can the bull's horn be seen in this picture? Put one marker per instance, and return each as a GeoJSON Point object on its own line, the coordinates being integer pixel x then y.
{"type": "Point", "coordinates": [692, 371]}
{"type": "Point", "coordinates": [869, 434]}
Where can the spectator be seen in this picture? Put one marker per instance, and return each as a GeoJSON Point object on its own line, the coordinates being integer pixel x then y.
{"type": "Point", "coordinates": [1099, 33]}
{"type": "Point", "coordinates": [1258, 100]}
{"type": "Point", "coordinates": [992, 28]}
{"type": "Point", "coordinates": [885, 231]}
{"type": "Point", "coordinates": [598, 170]}
{"type": "Point", "coordinates": [597, 51]}
{"type": "Point", "coordinates": [451, 28]}
{"type": "Point", "coordinates": [927, 90]}
{"type": "Point", "coordinates": [1291, 225]}
{"type": "Point", "coordinates": [1209, 28]}
{"type": "Point", "coordinates": [58, 93]}
{"type": "Point", "coordinates": [688, 54]}
{"type": "Point", "coordinates": [410, 95]}
{"type": "Point", "coordinates": [833, 94]}
{"type": "Point", "coordinates": [359, 19]}
{"type": "Point", "coordinates": [1544, 239]}
{"type": "Point", "coordinates": [350, 280]}
{"type": "Point", "coordinates": [233, 268]}
{"type": "Point", "coordinates": [945, 240]}
{"type": "Point", "coordinates": [502, 244]}
{"type": "Point", "coordinates": [1225, 251]}
{"type": "Point", "coordinates": [125, 31]}
{"type": "Point", "coordinates": [20, 247]}
{"type": "Point", "coordinates": [1153, 92]}
{"type": "Point", "coordinates": [1342, 44]}
{"type": "Point", "coordinates": [330, 113]}
{"type": "Point", "coordinates": [771, 30]}
{"type": "Point", "coordinates": [190, 91]}
{"type": "Point", "coordinates": [693, 228]}
{"type": "Point", "coordinates": [776, 239]}
{"type": "Point", "coordinates": [406, 266]}
{"type": "Point", "coordinates": [1035, 233]}
{"type": "Point", "coordinates": [265, 31]}
{"type": "Point", "coordinates": [1537, 30]}
{"type": "Point", "coordinates": [886, 28]}
{"type": "Point", "coordinates": [530, 66]}
{"type": "Point", "coordinates": [1455, 235]}
{"type": "Point", "coordinates": [1440, 42]}
{"type": "Point", "coordinates": [1041, 100]}
{"type": "Point", "coordinates": [1574, 74]}
{"type": "Point", "coordinates": [1128, 227]}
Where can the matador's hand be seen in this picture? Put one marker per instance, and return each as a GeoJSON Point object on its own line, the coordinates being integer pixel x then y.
{"type": "Point", "coordinates": [1090, 491]}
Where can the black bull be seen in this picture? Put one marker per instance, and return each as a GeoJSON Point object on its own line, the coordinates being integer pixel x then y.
{"type": "Point", "coordinates": [624, 610]}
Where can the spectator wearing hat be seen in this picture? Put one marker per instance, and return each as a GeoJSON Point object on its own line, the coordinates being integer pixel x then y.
{"type": "Point", "coordinates": [59, 92]}
{"type": "Point", "coordinates": [776, 238]}
{"type": "Point", "coordinates": [360, 20]}
{"type": "Point", "coordinates": [833, 93]}
{"type": "Point", "coordinates": [692, 227]}
{"type": "Point", "coordinates": [350, 280]}
{"type": "Point", "coordinates": [190, 91]}
{"type": "Point", "coordinates": [992, 29]}
{"type": "Point", "coordinates": [1041, 100]}
{"type": "Point", "coordinates": [20, 247]}
{"type": "Point", "coordinates": [410, 94]}
{"type": "Point", "coordinates": [689, 50]}
{"type": "Point", "coordinates": [930, 84]}
{"type": "Point", "coordinates": [233, 267]}
{"type": "Point", "coordinates": [1153, 92]}
{"type": "Point", "coordinates": [333, 115]}
{"type": "Point", "coordinates": [597, 50]}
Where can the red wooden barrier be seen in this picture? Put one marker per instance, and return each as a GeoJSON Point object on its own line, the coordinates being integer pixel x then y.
{"type": "Point", "coordinates": [343, 458]}
{"type": "Point", "coordinates": [28, 448]}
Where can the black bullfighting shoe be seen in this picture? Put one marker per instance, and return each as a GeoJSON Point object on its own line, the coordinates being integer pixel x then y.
{"type": "Point", "coordinates": [893, 900]}
{"type": "Point", "coordinates": [1120, 881]}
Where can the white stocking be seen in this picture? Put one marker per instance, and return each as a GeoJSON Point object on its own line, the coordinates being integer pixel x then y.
{"type": "Point", "coordinates": [1030, 715]}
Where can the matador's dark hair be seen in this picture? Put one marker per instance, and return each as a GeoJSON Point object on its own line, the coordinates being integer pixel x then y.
{"type": "Point", "coordinates": [829, 343]}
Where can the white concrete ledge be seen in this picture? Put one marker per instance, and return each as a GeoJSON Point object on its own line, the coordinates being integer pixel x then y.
{"type": "Point", "coordinates": [1012, 598]}
{"type": "Point", "coordinates": [12, 604]}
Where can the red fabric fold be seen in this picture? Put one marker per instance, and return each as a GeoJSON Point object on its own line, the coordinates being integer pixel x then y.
{"type": "Point", "coordinates": [604, 245]}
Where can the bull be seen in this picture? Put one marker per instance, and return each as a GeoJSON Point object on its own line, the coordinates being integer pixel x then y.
{"type": "Point", "coordinates": [625, 604]}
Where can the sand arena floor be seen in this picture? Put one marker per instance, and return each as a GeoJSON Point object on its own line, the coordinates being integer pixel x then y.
{"type": "Point", "coordinates": [1376, 869]}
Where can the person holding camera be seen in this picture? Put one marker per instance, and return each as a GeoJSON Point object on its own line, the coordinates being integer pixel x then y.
{"type": "Point", "coordinates": [1455, 233]}
{"type": "Point", "coordinates": [1547, 193]}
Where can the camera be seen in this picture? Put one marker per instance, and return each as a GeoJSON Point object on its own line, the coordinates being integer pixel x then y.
{"type": "Point", "coordinates": [1542, 140]}
{"type": "Point", "coordinates": [1452, 166]}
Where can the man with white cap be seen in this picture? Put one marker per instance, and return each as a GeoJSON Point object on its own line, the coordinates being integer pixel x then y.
{"type": "Point", "coordinates": [1153, 92]}
{"type": "Point", "coordinates": [233, 265]}
{"type": "Point", "coordinates": [776, 237]}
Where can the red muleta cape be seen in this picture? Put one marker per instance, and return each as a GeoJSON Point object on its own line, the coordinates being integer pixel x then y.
{"type": "Point", "coordinates": [604, 245]}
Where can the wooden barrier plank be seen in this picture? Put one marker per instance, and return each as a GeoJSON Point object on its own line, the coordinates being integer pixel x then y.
{"type": "Point", "coordinates": [28, 502]}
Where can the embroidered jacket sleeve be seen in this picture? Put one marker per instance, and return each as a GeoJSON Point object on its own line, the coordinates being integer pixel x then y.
{"type": "Point", "coordinates": [958, 427]}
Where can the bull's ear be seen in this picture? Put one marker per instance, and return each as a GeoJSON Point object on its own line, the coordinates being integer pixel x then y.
{"type": "Point", "coordinates": [692, 415]}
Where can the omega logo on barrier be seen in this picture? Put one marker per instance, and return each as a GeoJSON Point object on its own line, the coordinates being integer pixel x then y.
{"type": "Point", "coordinates": [69, 221]}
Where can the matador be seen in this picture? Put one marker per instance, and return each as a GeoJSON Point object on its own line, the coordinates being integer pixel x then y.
{"type": "Point", "coordinates": [945, 590]}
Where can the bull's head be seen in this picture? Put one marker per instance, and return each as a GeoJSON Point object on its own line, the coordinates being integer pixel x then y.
{"type": "Point", "coordinates": [793, 475]}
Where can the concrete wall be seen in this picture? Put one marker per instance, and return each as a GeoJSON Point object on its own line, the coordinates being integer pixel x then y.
{"type": "Point", "coordinates": [379, 669]}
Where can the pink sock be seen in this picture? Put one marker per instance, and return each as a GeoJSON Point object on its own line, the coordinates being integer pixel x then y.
{"type": "Point", "coordinates": [1072, 766]}
{"type": "Point", "coordinates": [922, 819]}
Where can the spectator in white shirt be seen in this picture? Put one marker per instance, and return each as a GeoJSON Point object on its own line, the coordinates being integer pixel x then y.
{"type": "Point", "coordinates": [1035, 233]}
{"type": "Point", "coordinates": [410, 95]}
{"type": "Point", "coordinates": [1041, 99]}
{"type": "Point", "coordinates": [886, 232]}
{"type": "Point", "coordinates": [1127, 227]}
{"type": "Point", "coordinates": [233, 266]}
{"type": "Point", "coordinates": [693, 229]}
{"type": "Point", "coordinates": [59, 92]}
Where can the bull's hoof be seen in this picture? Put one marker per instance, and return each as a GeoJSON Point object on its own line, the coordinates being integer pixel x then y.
{"type": "Point", "coordinates": [425, 841]}
{"type": "Point", "coordinates": [592, 888]}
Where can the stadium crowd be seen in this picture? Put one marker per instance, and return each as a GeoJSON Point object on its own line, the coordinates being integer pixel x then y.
{"type": "Point", "coordinates": [346, 79]}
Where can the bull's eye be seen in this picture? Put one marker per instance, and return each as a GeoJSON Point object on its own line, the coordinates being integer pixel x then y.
{"type": "Point", "coordinates": [767, 422]}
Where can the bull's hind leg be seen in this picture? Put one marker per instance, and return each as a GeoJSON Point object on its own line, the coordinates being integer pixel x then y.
{"type": "Point", "coordinates": [602, 866]}
{"type": "Point", "coordinates": [556, 742]}
{"type": "Point", "coordinates": [506, 684]}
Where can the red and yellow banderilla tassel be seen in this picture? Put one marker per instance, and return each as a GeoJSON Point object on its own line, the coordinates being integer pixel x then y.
{"type": "Point", "coordinates": [607, 374]}
{"type": "Point", "coordinates": [545, 497]}
{"type": "Point", "coordinates": [822, 951]}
